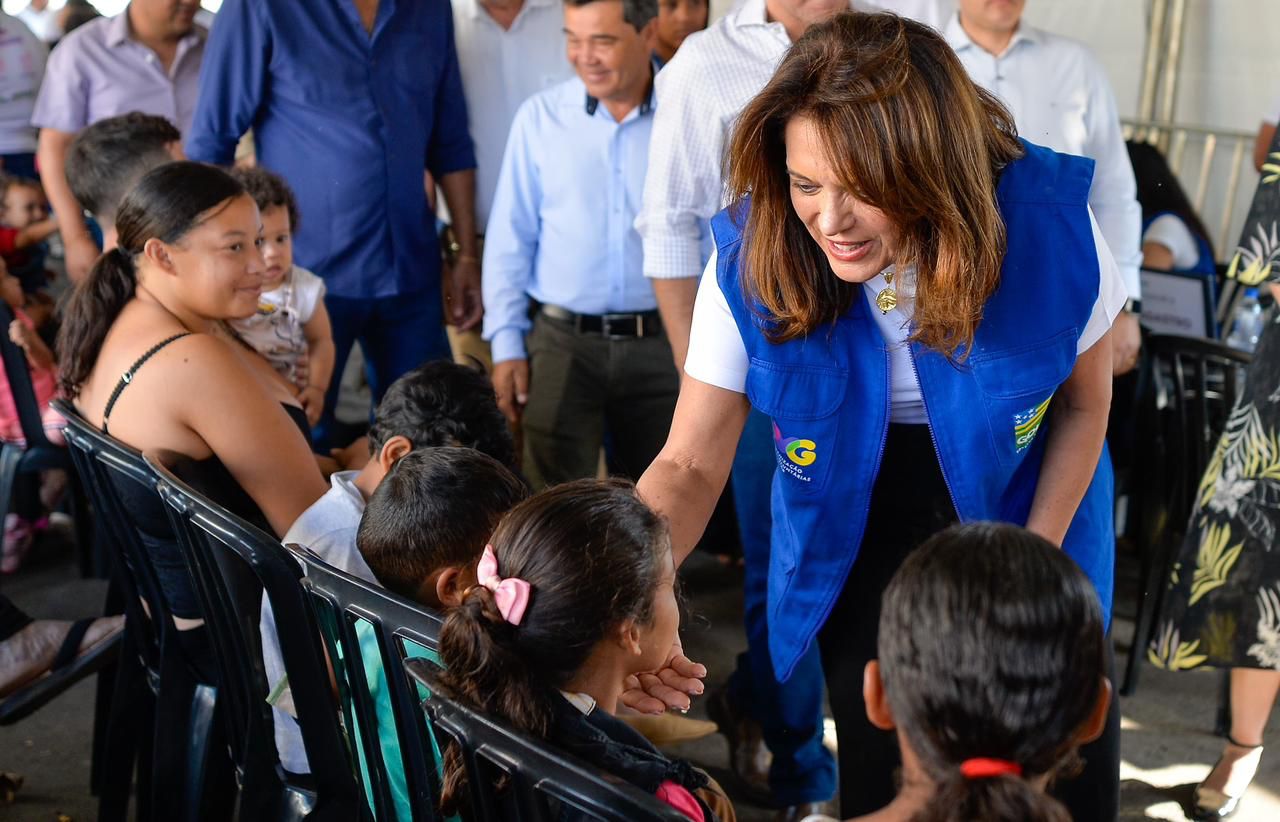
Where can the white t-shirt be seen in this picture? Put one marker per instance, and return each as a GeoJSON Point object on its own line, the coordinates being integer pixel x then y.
{"type": "Point", "coordinates": [1169, 231]}
{"type": "Point", "coordinates": [718, 356]}
{"type": "Point", "coordinates": [329, 529]}
{"type": "Point", "coordinates": [276, 331]}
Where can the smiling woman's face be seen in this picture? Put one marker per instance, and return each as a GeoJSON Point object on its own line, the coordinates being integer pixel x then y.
{"type": "Point", "coordinates": [219, 263]}
{"type": "Point", "coordinates": [858, 239]}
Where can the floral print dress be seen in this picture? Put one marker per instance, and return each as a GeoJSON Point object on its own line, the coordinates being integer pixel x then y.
{"type": "Point", "coordinates": [1223, 606]}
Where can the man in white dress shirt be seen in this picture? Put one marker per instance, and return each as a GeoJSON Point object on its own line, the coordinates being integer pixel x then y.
{"type": "Point", "coordinates": [1060, 98]}
{"type": "Point", "coordinates": [701, 93]}
{"type": "Point", "coordinates": [508, 50]}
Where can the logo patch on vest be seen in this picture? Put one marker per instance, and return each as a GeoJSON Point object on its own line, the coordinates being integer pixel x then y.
{"type": "Point", "coordinates": [1027, 423]}
{"type": "Point", "coordinates": [794, 454]}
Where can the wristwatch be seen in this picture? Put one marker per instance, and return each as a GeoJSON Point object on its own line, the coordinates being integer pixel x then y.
{"type": "Point", "coordinates": [1133, 306]}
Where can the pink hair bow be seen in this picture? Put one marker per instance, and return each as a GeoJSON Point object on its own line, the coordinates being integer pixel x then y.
{"type": "Point", "coordinates": [511, 595]}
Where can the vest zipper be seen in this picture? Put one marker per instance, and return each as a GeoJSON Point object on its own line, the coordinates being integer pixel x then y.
{"type": "Point", "coordinates": [924, 400]}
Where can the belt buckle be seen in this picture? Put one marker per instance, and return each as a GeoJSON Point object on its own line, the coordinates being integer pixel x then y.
{"type": "Point", "coordinates": [606, 326]}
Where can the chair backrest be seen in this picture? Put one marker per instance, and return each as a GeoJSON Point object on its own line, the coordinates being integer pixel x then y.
{"type": "Point", "coordinates": [233, 564]}
{"type": "Point", "coordinates": [105, 466]}
{"type": "Point", "coordinates": [1190, 387]}
{"type": "Point", "coordinates": [539, 780]}
{"type": "Point", "coordinates": [359, 619]}
{"type": "Point", "coordinates": [23, 390]}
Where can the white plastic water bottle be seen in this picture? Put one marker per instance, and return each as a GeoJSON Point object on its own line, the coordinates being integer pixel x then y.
{"type": "Point", "coordinates": [1246, 322]}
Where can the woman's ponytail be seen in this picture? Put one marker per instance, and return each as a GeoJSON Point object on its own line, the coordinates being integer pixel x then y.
{"type": "Point", "coordinates": [92, 309]}
{"type": "Point", "coordinates": [1007, 798]}
{"type": "Point", "coordinates": [483, 671]}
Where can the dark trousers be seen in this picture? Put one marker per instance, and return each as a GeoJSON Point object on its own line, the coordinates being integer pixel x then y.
{"type": "Point", "coordinates": [12, 618]}
{"type": "Point", "coordinates": [910, 503]}
{"type": "Point", "coordinates": [19, 165]}
{"type": "Point", "coordinates": [791, 713]}
{"type": "Point", "coordinates": [396, 335]}
{"type": "Point", "coordinates": [581, 385]}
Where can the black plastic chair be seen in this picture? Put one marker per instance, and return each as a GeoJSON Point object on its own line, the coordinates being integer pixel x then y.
{"type": "Point", "coordinates": [1189, 388]}
{"type": "Point", "coordinates": [162, 715]}
{"type": "Point", "coordinates": [539, 781]}
{"type": "Point", "coordinates": [24, 461]}
{"type": "Point", "coordinates": [233, 565]}
{"type": "Point", "coordinates": [346, 608]}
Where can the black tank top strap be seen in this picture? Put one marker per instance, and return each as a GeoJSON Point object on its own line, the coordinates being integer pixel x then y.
{"type": "Point", "coordinates": [131, 372]}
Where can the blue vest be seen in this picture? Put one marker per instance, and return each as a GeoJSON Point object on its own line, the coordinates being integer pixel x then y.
{"type": "Point", "coordinates": [1204, 265]}
{"type": "Point", "coordinates": [828, 395]}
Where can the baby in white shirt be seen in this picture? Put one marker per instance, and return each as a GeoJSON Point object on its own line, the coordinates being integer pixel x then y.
{"type": "Point", "coordinates": [291, 327]}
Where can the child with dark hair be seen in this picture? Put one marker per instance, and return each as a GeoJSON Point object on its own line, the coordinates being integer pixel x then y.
{"type": "Point", "coordinates": [992, 671]}
{"type": "Point", "coordinates": [1174, 237]}
{"type": "Point", "coordinates": [24, 226]}
{"type": "Point", "coordinates": [575, 593]}
{"type": "Point", "coordinates": [291, 327]}
{"type": "Point", "coordinates": [437, 404]}
{"type": "Point", "coordinates": [421, 537]}
{"type": "Point", "coordinates": [423, 529]}
{"type": "Point", "coordinates": [108, 158]}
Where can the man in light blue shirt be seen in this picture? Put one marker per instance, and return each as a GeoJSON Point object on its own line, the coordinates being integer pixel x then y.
{"type": "Point", "coordinates": [561, 234]}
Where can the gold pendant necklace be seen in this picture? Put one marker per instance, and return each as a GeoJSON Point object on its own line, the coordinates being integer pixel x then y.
{"type": "Point", "coordinates": [887, 299]}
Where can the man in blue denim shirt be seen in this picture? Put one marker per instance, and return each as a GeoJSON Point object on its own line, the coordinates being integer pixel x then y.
{"type": "Point", "coordinates": [352, 101]}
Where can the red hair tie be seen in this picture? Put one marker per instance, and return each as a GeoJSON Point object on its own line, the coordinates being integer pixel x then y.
{"type": "Point", "coordinates": [983, 768]}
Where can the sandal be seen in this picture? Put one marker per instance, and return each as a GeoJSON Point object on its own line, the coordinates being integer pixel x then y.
{"type": "Point", "coordinates": [1211, 803]}
{"type": "Point", "coordinates": [85, 647]}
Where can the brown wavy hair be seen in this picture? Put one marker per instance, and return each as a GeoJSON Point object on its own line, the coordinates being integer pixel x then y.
{"type": "Point", "coordinates": [907, 132]}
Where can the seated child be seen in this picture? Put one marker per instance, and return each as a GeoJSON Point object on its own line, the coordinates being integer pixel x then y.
{"type": "Point", "coordinates": [291, 329]}
{"type": "Point", "coordinates": [106, 160]}
{"type": "Point", "coordinates": [422, 534]}
{"type": "Point", "coordinates": [24, 226]}
{"type": "Point", "coordinates": [992, 670]}
{"type": "Point", "coordinates": [437, 404]}
{"type": "Point", "coordinates": [587, 599]}
{"type": "Point", "coordinates": [21, 525]}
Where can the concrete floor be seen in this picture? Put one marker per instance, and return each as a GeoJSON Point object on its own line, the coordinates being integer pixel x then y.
{"type": "Point", "coordinates": [1167, 744]}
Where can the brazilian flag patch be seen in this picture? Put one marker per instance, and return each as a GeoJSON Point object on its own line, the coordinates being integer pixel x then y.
{"type": "Point", "coordinates": [1027, 423]}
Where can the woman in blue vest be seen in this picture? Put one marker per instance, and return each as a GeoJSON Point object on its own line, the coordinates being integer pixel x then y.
{"type": "Point", "coordinates": [921, 301]}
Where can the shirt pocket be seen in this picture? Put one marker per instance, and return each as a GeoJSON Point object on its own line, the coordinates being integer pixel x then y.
{"type": "Point", "coordinates": [803, 401]}
{"type": "Point", "coordinates": [1017, 389]}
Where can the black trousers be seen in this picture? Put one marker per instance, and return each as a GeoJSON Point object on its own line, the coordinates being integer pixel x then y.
{"type": "Point", "coordinates": [910, 503]}
{"type": "Point", "coordinates": [12, 618]}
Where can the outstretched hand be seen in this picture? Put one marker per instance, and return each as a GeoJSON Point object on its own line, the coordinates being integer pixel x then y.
{"type": "Point", "coordinates": [668, 687]}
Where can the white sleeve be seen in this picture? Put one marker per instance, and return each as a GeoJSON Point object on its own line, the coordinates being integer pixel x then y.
{"type": "Point", "coordinates": [308, 290]}
{"type": "Point", "coordinates": [1112, 294]}
{"type": "Point", "coordinates": [717, 355]}
{"type": "Point", "coordinates": [1169, 231]}
{"type": "Point", "coordinates": [1114, 193]}
{"type": "Point", "coordinates": [683, 186]}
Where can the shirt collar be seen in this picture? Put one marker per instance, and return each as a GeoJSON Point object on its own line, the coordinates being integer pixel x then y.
{"type": "Point", "coordinates": [959, 39]}
{"type": "Point", "coordinates": [476, 11]}
{"type": "Point", "coordinates": [750, 13]}
{"type": "Point", "coordinates": [118, 28]}
{"type": "Point", "coordinates": [592, 104]}
{"type": "Point", "coordinates": [117, 31]}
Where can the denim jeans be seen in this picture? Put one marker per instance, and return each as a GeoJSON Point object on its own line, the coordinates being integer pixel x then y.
{"type": "Point", "coordinates": [790, 714]}
{"type": "Point", "coordinates": [396, 335]}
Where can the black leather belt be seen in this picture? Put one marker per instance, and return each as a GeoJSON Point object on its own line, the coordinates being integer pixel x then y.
{"type": "Point", "coordinates": [614, 326]}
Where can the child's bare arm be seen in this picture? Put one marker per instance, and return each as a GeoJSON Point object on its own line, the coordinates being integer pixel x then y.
{"type": "Point", "coordinates": [320, 362]}
{"type": "Point", "coordinates": [37, 232]}
{"type": "Point", "coordinates": [26, 337]}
